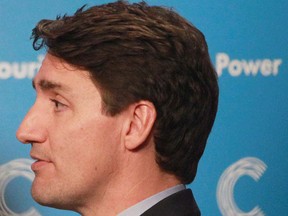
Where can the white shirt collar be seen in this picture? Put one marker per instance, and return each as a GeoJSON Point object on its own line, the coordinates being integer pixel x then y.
{"type": "Point", "coordinates": [145, 204]}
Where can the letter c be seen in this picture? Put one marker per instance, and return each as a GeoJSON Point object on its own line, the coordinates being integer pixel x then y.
{"type": "Point", "coordinates": [250, 166]}
{"type": "Point", "coordinates": [9, 171]}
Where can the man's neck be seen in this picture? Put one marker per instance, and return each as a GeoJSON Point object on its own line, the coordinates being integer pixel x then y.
{"type": "Point", "coordinates": [116, 200]}
{"type": "Point", "coordinates": [147, 203]}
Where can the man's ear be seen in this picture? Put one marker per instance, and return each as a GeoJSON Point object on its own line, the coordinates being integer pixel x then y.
{"type": "Point", "coordinates": [140, 121]}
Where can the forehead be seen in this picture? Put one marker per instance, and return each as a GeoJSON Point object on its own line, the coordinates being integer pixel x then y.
{"type": "Point", "coordinates": [57, 74]}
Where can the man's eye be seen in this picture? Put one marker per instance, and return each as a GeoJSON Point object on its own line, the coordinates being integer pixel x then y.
{"type": "Point", "coordinates": [58, 106]}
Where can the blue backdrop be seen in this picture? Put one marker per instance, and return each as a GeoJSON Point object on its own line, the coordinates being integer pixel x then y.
{"type": "Point", "coordinates": [244, 168]}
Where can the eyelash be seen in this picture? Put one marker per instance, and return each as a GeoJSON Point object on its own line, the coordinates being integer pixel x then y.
{"type": "Point", "coordinates": [57, 105]}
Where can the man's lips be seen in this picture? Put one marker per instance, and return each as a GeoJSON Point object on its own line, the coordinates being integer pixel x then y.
{"type": "Point", "coordinates": [39, 162]}
{"type": "Point", "coordinates": [37, 165]}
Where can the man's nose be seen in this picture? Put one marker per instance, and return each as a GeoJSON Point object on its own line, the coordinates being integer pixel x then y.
{"type": "Point", "coordinates": [32, 128]}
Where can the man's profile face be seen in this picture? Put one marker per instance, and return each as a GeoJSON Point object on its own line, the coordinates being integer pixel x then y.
{"type": "Point", "coordinates": [74, 143]}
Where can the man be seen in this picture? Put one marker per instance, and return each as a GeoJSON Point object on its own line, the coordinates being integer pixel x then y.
{"type": "Point", "coordinates": [126, 99]}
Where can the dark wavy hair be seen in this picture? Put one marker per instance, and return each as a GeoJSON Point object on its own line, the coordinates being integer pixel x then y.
{"type": "Point", "coordinates": [138, 52]}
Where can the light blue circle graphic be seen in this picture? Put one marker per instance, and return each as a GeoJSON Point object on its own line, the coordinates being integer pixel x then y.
{"type": "Point", "coordinates": [9, 171]}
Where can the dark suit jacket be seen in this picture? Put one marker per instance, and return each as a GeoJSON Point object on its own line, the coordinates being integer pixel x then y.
{"type": "Point", "coordinates": [181, 203]}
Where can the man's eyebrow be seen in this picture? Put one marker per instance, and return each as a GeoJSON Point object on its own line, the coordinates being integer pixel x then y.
{"type": "Point", "coordinates": [47, 85]}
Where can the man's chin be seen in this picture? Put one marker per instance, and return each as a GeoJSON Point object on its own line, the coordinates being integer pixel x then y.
{"type": "Point", "coordinates": [40, 196]}
{"type": "Point", "coordinates": [43, 194]}
{"type": "Point", "coordinates": [49, 196]}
